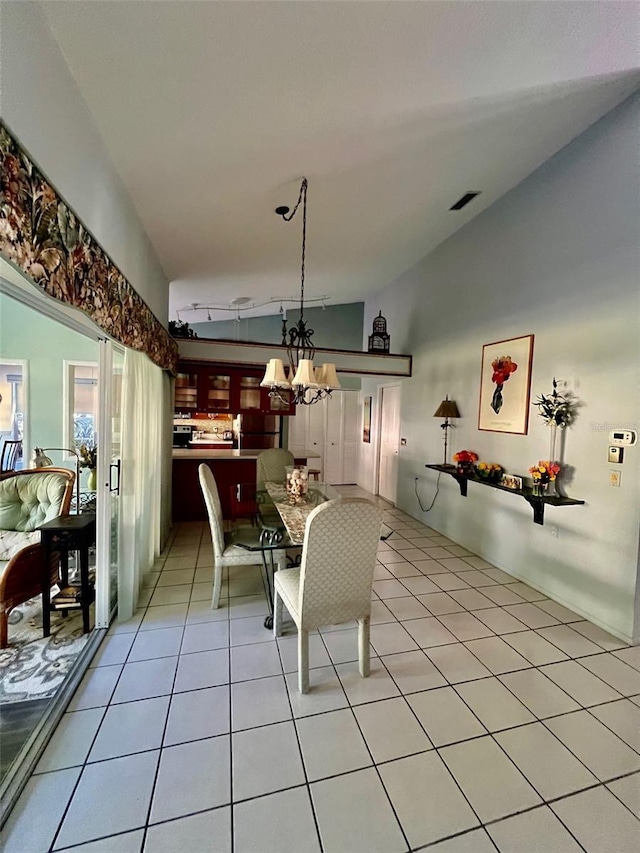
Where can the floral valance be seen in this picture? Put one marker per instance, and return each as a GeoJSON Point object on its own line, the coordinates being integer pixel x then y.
{"type": "Point", "coordinates": [44, 238]}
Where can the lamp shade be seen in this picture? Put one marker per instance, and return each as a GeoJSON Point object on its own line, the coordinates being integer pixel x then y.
{"type": "Point", "coordinates": [447, 409]}
{"type": "Point", "coordinates": [40, 459]}
{"type": "Point", "coordinates": [305, 374]}
{"type": "Point", "coordinates": [274, 375]}
{"type": "Point", "coordinates": [326, 376]}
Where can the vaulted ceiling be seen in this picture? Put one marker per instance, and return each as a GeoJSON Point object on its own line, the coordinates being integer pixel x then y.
{"type": "Point", "coordinates": [212, 112]}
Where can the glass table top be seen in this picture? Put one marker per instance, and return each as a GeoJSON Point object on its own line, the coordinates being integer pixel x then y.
{"type": "Point", "coordinates": [277, 520]}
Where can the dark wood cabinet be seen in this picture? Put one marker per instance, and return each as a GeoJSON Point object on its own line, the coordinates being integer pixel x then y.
{"type": "Point", "coordinates": [188, 503]}
{"type": "Point", "coordinates": [216, 388]}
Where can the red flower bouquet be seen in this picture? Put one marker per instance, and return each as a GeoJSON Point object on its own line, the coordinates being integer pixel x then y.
{"type": "Point", "coordinates": [465, 460]}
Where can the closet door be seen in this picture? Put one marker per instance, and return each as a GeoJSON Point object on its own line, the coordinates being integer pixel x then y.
{"type": "Point", "coordinates": [350, 435]}
{"type": "Point", "coordinates": [316, 416]}
{"type": "Point", "coordinates": [333, 438]}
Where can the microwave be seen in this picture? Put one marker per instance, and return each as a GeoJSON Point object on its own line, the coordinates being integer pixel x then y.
{"type": "Point", "coordinates": [182, 435]}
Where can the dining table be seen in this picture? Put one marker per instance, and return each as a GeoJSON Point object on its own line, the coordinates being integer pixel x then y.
{"type": "Point", "coordinates": [277, 522]}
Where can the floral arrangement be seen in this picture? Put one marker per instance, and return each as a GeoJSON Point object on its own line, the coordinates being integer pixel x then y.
{"type": "Point", "coordinates": [555, 409]}
{"type": "Point", "coordinates": [465, 456]}
{"type": "Point", "coordinates": [502, 367]}
{"type": "Point", "coordinates": [489, 471]}
{"type": "Point", "coordinates": [544, 472]}
{"type": "Point", "coordinates": [88, 455]}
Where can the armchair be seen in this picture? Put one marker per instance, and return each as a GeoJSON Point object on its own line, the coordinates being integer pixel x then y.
{"type": "Point", "coordinates": [27, 499]}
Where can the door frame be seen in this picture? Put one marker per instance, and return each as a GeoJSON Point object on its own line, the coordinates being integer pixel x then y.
{"type": "Point", "coordinates": [378, 433]}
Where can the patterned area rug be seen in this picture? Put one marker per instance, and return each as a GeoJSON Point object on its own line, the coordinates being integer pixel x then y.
{"type": "Point", "coordinates": [32, 666]}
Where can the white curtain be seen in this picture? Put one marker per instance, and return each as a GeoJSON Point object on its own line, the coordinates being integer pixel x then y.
{"type": "Point", "coordinates": [141, 476]}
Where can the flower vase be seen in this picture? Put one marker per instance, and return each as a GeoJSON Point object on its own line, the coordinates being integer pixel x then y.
{"type": "Point", "coordinates": [551, 486]}
{"type": "Point", "coordinates": [539, 489]}
{"type": "Point", "coordinates": [92, 480]}
{"type": "Point", "coordinates": [465, 469]}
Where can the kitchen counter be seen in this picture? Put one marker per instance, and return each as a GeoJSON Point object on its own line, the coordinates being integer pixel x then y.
{"type": "Point", "coordinates": [229, 467]}
{"type": "Point", "coordinates": [214, 453]}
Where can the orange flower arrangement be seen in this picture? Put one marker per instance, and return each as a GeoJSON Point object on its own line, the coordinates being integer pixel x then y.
{"type": "Point", "coordinates": [545, 471]}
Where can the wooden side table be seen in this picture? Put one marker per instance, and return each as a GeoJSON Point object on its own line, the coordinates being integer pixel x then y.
{"type": "Point", "coordinates": [63, 534]}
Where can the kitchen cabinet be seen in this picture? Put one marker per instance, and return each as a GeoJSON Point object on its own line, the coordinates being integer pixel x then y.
{"type": "Point", "coordinates": [219, 388]}
{"type": "Point", "coordinates": [186, 390]}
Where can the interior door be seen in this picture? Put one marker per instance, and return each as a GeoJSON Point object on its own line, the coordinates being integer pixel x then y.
{"type": "Point", "coordinates": [350, 435]}
{"type": "Point", "coordinates": [111, 363]}
{"type": "Point", "coordinates": [389, 442]}
{"type": "Point", "coordinates": [333, 439]}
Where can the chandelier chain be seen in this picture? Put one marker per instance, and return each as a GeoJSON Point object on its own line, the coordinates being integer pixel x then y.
{"type": "Point", "coordinates": [302, 197]}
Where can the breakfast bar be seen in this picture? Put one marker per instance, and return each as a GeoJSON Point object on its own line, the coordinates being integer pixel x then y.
{"type": "Point", "coordinates": [229, 467]}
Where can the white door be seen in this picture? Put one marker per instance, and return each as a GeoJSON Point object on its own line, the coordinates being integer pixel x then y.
{"type": "Point", "coordinates": [298, 429]}
{"type": "Point", "coordinates": [389, 442]}
{"type": "Point", "coordinates": [350, 435]}
{"type": "Point", "coordinates": [341, 438]}
{"type": "Point", "coordinates": [333, 439]}
{"type": "Point", "coordinates": [316, 414]}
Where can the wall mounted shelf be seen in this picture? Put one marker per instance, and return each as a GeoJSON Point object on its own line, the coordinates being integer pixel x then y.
{"type": "Point", "coordinates": [537, 502]}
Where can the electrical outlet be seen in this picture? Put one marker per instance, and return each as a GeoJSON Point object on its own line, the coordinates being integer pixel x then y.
{"type": "Point", "coordinates": [614, 478]}
{"type": "Point", "coordinates": [554, 531]}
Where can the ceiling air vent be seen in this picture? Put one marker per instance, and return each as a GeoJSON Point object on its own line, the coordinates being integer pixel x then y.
{"type": "Point", "coordinates": [464, 201]}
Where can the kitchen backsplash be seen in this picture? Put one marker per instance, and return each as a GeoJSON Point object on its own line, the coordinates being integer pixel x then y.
{"type": "Point", "coordinates": [214, 424]}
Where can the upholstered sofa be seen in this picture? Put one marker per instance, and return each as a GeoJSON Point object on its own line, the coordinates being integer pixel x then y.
{"type": "Point", "coordinates": [27, 500]}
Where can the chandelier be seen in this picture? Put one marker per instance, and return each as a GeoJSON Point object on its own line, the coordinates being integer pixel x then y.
{"type": "Point", "coordinates": [307, 383]}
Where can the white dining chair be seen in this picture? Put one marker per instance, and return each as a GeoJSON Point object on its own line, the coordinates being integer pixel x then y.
{"type": "Point", "coordinates": [225, 553]}
{"type": "Point", "coordinates": [333, 583]}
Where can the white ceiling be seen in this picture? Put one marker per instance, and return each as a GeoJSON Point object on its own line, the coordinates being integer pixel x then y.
{"type": "Point", "coordinates": [213, 111]}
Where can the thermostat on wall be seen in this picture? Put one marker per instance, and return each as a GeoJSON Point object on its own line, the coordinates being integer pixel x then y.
{"type": "Point", "coordinates": [623, 437]}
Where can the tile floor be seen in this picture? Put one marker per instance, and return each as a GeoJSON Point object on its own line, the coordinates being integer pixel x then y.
{"type": "Point", "coordinates": [494, 719]}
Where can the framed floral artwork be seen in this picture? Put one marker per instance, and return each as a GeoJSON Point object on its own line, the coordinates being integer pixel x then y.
{"type": "Point", "coordinates": [505, 386]}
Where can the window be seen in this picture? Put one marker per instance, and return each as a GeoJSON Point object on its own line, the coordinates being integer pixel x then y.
{"type": "Point", "coordinates": [81, 416]}
{"type": "Point", "coordinates": [12, 399]}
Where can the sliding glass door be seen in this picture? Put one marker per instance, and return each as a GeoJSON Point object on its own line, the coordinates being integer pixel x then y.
{"type": "Point", "coordinates": [109, 457]}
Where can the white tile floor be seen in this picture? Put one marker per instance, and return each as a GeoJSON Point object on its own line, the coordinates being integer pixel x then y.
{"type": "Point", "coordinates": [494, 719]}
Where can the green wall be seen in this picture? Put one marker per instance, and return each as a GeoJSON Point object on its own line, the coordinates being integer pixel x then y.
{"type": "Point", "coordinates": [336, 326]}
{"type": "Point", "coordinates": [44, 344]}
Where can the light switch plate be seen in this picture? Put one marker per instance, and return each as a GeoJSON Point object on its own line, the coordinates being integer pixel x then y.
{"type": "Point", "coordinates": [616, 454]}
{"type": "Point", "coordinates": [615, 477]}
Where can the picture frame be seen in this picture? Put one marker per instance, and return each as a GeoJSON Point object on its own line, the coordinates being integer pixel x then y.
{"type": "Point", "coordinates": [366, 420]}
{"type": "Point", "coordinates": [505, 386]}
{"type": "Point", "coordinates": [511, 481]}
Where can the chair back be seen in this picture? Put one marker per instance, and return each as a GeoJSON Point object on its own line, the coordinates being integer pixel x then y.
{"type": "Point", "coordinates": [338, 560]}
{"type": "Point", "coordinates": [270, 466]}
{"type": "Point", "coordinates": [214, 508]}
{"type": "Point", "coordinates": [30, 498]}
{"type": "Point", "coordinates": [11, 451]}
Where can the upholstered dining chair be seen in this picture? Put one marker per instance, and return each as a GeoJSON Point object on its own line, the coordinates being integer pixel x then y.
{"type": "Point", "coordinates": [271, 465]}
{"type": "Point", "coordinates": [225, 553]}
{"type": "Point", "coordinates": [333, 583]}
{"type": "Point", "coordinates": [27, 500]}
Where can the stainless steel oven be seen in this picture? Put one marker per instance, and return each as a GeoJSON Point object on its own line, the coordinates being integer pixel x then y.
{"type": "Point", "coordinates": [182, 435]}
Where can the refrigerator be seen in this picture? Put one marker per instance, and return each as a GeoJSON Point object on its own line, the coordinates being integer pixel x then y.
{"type": "Point", "coordinates": [260, 432]}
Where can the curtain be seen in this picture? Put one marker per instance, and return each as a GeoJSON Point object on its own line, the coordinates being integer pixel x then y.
{"type": "Point", "coordinates": [141, 484]}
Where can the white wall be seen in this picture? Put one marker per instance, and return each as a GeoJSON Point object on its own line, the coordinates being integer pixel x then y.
{"type": "Point", "coordinates": [42, 106]}
{"type": "Point", "coordinates": [556, 257]}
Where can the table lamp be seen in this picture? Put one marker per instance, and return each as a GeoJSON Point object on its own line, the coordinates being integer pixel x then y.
{"type": "Point", "coordinates": [447, 409]}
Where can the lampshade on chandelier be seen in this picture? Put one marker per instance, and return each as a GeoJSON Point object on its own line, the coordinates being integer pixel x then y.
{"type": "Point", "coordinates": [303, 377]}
